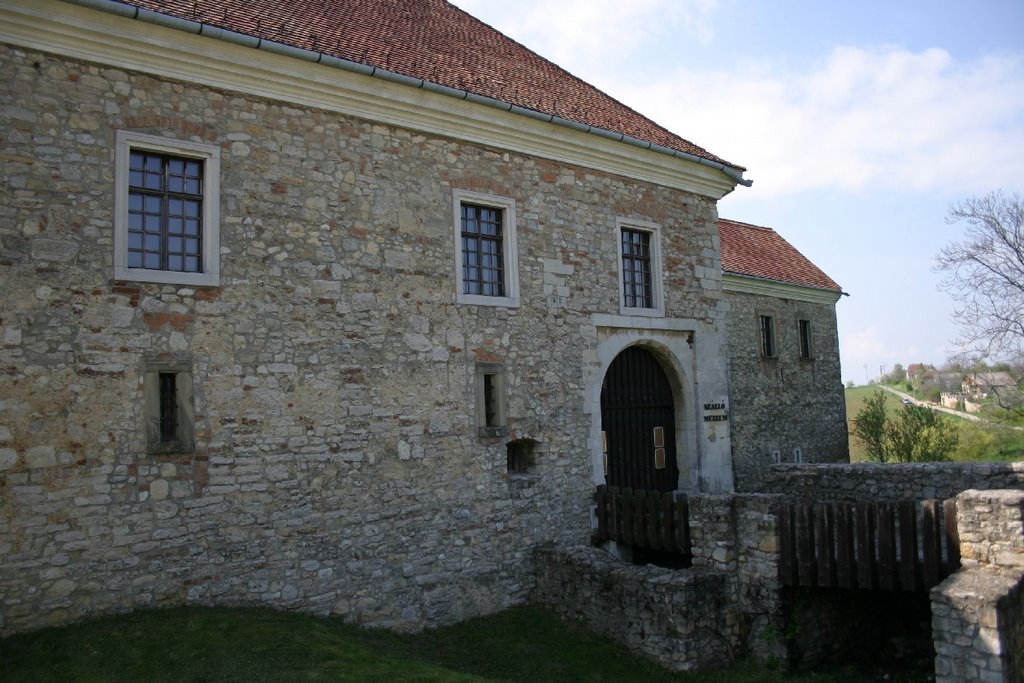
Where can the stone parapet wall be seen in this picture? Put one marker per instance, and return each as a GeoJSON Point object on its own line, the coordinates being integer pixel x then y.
{"type": "Point", "coordinates": [978, 612]}
{"type": "Point", "coordinates": [726, 606]}
{"type": "Point", "coordinates": [991, 528]}
{"type": "Point", "coordinates": [681, 619]}
{"type": "Point", "coordinates": [866, 481]}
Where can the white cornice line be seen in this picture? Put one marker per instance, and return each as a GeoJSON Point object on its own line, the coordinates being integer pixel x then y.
{"type": "Point", "coordinates": [82, 33]}
{"type": "Point", "coordinates": [746, 284]}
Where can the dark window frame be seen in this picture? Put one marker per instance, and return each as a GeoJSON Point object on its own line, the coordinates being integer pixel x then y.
{"type": "Point", "coordinates": [483, 249]}
{"type": "Point", "coordinates": [165, 212]}
{"type": "Point", "coordinates": [637, 268]}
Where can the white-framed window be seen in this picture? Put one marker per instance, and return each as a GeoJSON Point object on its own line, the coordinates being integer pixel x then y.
{"type": "Point", "coordinates": [640, 274]}
{"type": "Point", "coordinates": [486, 253]}
{"type": "Point", "coordinates": [167, 210]}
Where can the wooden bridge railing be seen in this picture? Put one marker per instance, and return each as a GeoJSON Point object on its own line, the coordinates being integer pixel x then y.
{"type": "Point", "coordinates": [652, 520]}
{"type": "Point", "coordinates": [909, 546]}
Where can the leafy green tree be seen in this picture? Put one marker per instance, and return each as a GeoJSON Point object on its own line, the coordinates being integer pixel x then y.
{"type": "Point", "coordinates": [869, 426]}
{"type": "Point", "coordinates": [914, 434]}
{"type": "Point", "coordinates": [919, 435]}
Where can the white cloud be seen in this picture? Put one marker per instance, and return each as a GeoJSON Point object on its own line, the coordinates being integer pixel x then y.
{"type": "Point", "coordinates": [865, 118]}
{"type": "Point", "coordinates": [588, 37]}
{"type": "Point", "coordinates": [862, 347]}
{"type": "Point", "coordinates": [861, 118]}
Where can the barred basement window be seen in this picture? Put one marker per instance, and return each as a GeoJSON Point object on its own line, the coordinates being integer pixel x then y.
{"type": "Point", "coordinates": [490, 399]}
{"type": "Point", "coordinates": [804, 331]}
{"type": "Point", "coordinates": [168, 407]}
{"type": "Point", "coordinates": [767, 326]}
{"type": "Point", "coordinates": [520, 456]}
{"type": "Point", "coordinates": [167, 404]}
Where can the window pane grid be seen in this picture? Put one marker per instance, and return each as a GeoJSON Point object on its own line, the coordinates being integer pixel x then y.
{"type": "Point", "coordinates": [637, 283]}
{"type": "Point", "coordinates": [483, 268]}
{"type": "Point", "coordinates": [165, 205]}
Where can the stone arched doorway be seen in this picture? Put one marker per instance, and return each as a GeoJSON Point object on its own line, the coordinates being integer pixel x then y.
{"type": "Point", "coordinates": [638, 423]}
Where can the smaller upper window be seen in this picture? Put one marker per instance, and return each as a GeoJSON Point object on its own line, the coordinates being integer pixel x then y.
{"type": "Point", "coordinates": [804, 332]}
{"type": "Point", "coordinates": [486, 256]}
{"type": "Point", "coordinates": [767, 329]}
{"type": "Point", "coordinates": [166, 214]}
{"type": "Point", "coordinates": [640, 283]}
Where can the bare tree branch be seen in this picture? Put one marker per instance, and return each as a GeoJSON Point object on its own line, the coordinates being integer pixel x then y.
{"type": "Point", "coordinates": [984, 274]}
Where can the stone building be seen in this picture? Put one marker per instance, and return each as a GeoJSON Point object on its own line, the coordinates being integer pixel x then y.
{"type": "Point", "coordinates": [785, 383]}
{"type": "Point", "coordinates": [317, 310]}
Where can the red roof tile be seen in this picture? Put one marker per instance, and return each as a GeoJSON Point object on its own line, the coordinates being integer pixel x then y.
{"type": "Point", "coordinates": [430, 40]}
{"type": "Point", "coordinates": [761, 252]}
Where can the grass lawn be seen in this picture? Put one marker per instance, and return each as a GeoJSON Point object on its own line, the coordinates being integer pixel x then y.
{"type": "Point", "coordinates": [220, 644]}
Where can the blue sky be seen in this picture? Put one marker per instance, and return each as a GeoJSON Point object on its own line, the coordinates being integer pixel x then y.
{"type": "Point", "coordinates": [860, 123]}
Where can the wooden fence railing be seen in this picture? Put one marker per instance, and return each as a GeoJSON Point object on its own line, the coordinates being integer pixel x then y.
{"type": "Point", "coordinates": [909, 546]}
{"type": "Point", "coordinates": [652, 520]}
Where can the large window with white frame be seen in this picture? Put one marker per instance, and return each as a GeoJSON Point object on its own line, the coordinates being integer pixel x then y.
{"type": "Point", "coordinates": [167, 210]}
{"type": "Point", "coordinates": [640, 274]}
{"type": "Point", "coordinates": [486, 254]}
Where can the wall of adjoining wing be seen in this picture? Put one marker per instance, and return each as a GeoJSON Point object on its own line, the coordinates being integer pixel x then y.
{"type": "Point", "coordinates": [783, 403]}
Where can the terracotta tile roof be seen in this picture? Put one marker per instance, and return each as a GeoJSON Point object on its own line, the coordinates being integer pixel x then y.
{"type": "Point", "coordinates": [761, 252]}
{"type": "Point", "coordinates": [430, 40]}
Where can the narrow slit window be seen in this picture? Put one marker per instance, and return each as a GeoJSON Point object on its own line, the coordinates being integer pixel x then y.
{"type": "Point", "coordinates": [168, 407]}
{"type": "Point", "coordinates": [168, 412]}
{"type": "Point", "coordinates": [490, 400]}
{"type": "Point", "coordinates": [804, 329]}
{"type": "Point", "coordinates": [767, 325]}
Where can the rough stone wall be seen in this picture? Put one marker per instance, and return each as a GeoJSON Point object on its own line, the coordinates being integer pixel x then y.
{"type": "Point", "coordinates": [337, 465]}
{"type": "Point", "coordinates": [725, 607]}
{"type": "Point", "coordinates": [682, 619]}
{"type": "Point", "coordinates": [978, 612]}
{"type": "Point", "coordinates": [783, 403]}
{"type": "Point", "coordinates": [867, 481]}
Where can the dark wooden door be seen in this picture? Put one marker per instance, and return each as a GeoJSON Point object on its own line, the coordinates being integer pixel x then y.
{"type": "Point", "coordinates": [638, 421]}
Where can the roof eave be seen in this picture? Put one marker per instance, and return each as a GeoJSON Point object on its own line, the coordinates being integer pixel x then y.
{"type": "Point", "coordinates": [780, 289]}
{"type": "Point", "coordinates": [734, 173]}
